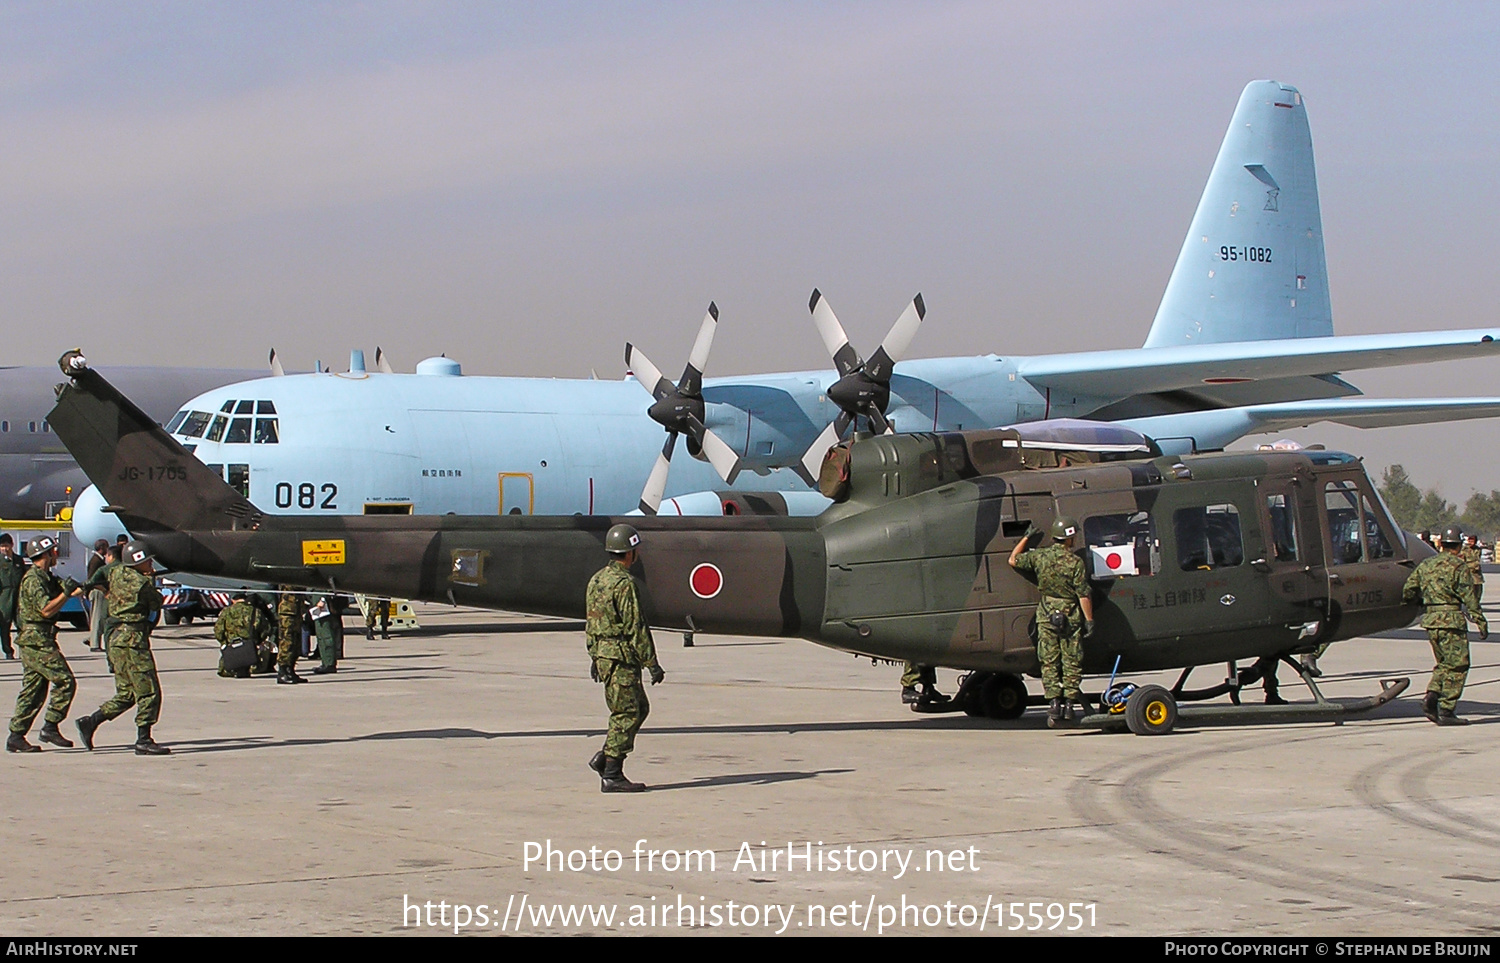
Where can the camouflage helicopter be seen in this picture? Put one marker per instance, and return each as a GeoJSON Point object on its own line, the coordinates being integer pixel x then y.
{"type": "Point", "coordinates": [1194, 560]}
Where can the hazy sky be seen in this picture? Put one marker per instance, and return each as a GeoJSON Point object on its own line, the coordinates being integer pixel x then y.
{"type": "Point", "coordinates": [526, 186]}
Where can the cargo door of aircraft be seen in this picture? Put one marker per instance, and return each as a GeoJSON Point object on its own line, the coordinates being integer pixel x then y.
{"type": "Point", "coordinates": [1211, 532]}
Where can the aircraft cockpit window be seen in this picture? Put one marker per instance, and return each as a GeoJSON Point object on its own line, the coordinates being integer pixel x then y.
{"type": "Point", "coordinates": [193, 425]}
{"type": "Point", "coordinates": [1208, 537]}
{"type": "Point", "coordinates": [227, 407]}
{"type": "Point", "coordinates": [1121, 545]}
{"type": "Point", "coordinates": [245, 408]}
{"type": "Point", "coordinates": [265, 431]}
{"type": "Point", "coordinates": [1341, 501]}
{"type": "Point", "coordinates": [265, 408]}
{"type": "Point", "coordinates": [239, 432]}
{"type": "Point", "coordinates": [216, 430]}
{"type": "Point", "coordinates": [176, 420]}
{"type": "Point", "coordinates": [1283, 527]}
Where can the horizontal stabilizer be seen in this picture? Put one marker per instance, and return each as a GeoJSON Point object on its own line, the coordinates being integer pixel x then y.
{"type": "Point", "coordinates": [1212, 430]}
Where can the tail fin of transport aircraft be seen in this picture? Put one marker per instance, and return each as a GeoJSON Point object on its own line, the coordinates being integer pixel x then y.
{"type": "Point", "coordinates": [1252, 268]}
{"type": "Point", "coordinates": [149, 480]}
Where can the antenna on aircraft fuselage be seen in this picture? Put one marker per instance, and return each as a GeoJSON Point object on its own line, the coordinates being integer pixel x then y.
{"type": "Point", "coordinates": [382, 363]}
{"type": "Point", "coordinates": [276, 368]}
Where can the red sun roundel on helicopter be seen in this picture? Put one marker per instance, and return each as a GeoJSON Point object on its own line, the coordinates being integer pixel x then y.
{"type": "Point", "coordinates": [706, 580]}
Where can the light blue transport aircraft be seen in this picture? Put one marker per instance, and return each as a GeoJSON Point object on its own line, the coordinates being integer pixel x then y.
{"type": "Point", "coordinates": [1242, 343]}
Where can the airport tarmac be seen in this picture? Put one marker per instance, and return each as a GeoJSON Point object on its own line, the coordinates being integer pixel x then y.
{"type": "Point", "coordinates": [433, 765]}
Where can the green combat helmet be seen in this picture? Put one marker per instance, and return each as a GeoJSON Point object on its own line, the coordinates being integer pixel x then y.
{"type": "Point", "coordinates": [40, 546]}
{"type": "Point", "coordinates": [621, 540]}
{"type": "Point", "coordinates": [1452, 536]}
{"type": "Point", "coordinates": [1064, 528]}
{"type": "Point", "coordinates": [135, 553]}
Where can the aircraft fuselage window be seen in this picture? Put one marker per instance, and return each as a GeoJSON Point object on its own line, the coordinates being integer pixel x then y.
{"type": "Point", "coordinates": [1208, 537]}
{"type": "Point", "coordinates": [1283, 527]}
{"type": "Point", "coordinates": [31, 426]}
{"type": "Point", "coordinates": [265, 431]}
{"type": "Point", "coordinates": [46, 428]}
{"type": "Point", "coordinates": [245, 408]}
{"type": "Point", "coordinates": [4, 426]}
{"type": "Point", "coordinates": [239, 432]}
{"type": "Point", "coordinates": [176, 420]}
{"type": "Point", "coordinates": [1340, 500]}
{"type": "Point", "coordinates": [217, 470]}
{"type": "Point", "coordinates": [1120, 546]}
{"type": "Point", "coordinates": [239, 479]}
{"type": "Point", "coordinates": [194, 425]}
{"type": "Point", "coordinates": [216, 430]}
{"type": "Point", "coordinates": [265, 408]}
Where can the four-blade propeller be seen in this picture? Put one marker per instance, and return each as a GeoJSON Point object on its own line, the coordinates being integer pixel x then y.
{"type": "Point", "coordinates": [864, 387]}
{"type": "Point", "coordinates": [679, 408]}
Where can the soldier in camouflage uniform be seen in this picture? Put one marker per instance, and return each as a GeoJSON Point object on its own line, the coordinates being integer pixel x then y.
{"type": "Point", "coordinates": [241, 620]}
{"type": "Point", "coordinates": [12, 570]}
{"type": "Point", "coordinates": [42, 596]}
{"type": "Point", "coordinates": [620, 646]}
{"type": "Point", "coordinates": [377, 610]}
{"type": "Point", "coordinates": [1471, 562]}
{"type": "Point", "coordinates": [133, 604]}
{"type": "Point", "coordinates": [1064, 616]}
{"type": "Point", "coordinates": [1442, 583]}
{"type": "Point", "coordinates": [290, 610]}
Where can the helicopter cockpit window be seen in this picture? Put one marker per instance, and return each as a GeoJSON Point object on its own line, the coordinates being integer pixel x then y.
{"type": "Point", "coordinates": [1120, 546]}
{"type": "Point", "coordinates": [1208, 537]}
{"type": "Point", "coordinates": [1283, 527]}
{"type": "Point", "coordinates": [1379, 545]}
{"type": "Point", "coordinates": [193, 425]}
{"type": "Point", "coordinates": [1341, 501]}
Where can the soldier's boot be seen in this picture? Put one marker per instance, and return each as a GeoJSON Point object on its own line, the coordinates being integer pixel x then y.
{"type": "Point", "coordinates": [86, 727]}
{"type": "Point", "coordinates": [385, 633]}
{"type": "Point", "coordinates": [910, 696]}
{"type": "Point", "coordinates": [288, 676]}
{"type": "Point", "coordinates": [1054, 714]}
{"type": "Point", "coordinates": [146, 746]}
{"type": "Point", "coordinates": [17, 743]}
{"type": "Point", "coordinates": [597, 763]}
{"type": "Point", "coordinates": [1310, 663]}
{"type": "Point", "coordinates": [370, 633]}
{"type": "Point", "coordinates": [1273, 696]}
{"type": "Point", "coordinates": [1430, 706]}
{"type": "Point", "coordinates": [1446, 717]}
{"type": "Point", "coordinates": [930, 695]}
{"type": "Point", "coordinates": [1083, 704]}
{"type": "Point", "coordinates": [50, 734]}
{"type": "Point", "coordinates": [612, 779]}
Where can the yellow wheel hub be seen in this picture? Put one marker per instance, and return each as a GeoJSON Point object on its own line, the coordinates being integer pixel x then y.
{"type": "Point", "coordinates": [1156, 713]}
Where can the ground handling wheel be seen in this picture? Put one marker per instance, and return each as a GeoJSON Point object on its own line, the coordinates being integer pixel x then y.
{"type": "Point", "coordinates": [1151, 711]}
{"type": "Point", "coordinates": [1003, 696]}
